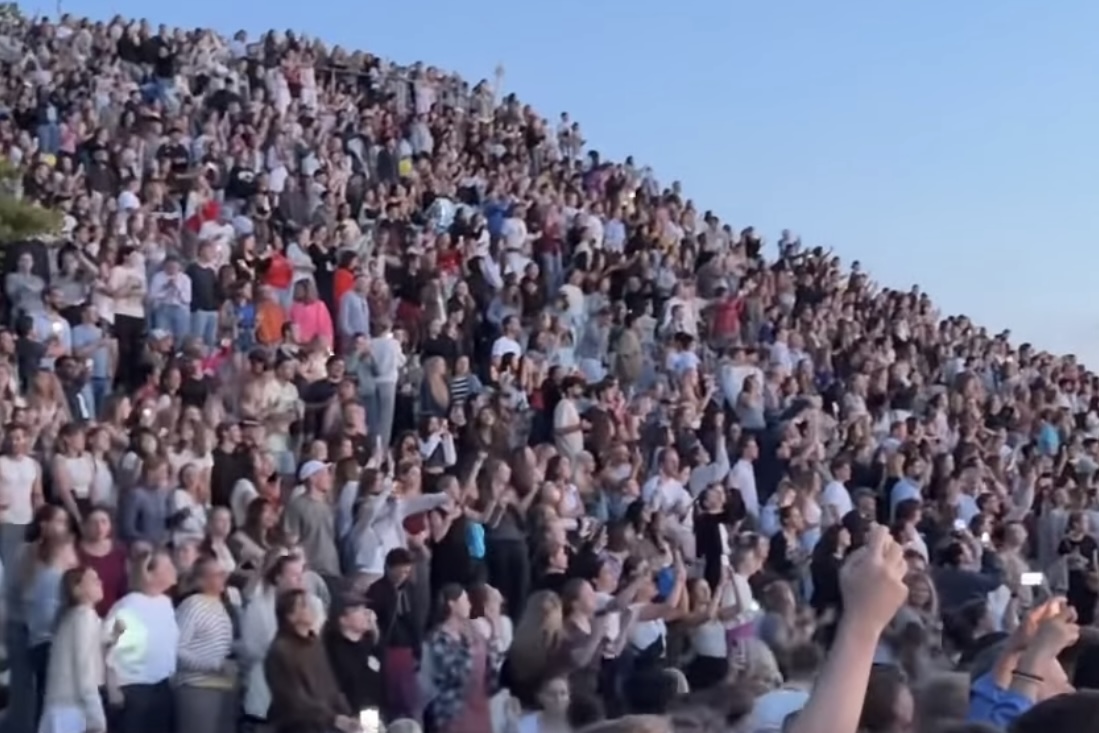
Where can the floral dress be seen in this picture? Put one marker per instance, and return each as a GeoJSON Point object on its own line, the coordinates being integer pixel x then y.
{"type": "Point", "coordinates": [465, 673]}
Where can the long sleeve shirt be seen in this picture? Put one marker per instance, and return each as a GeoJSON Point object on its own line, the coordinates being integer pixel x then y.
{"type": "Point", "coordinates": [76, 670]}
{"type": "Point", "coordinates": [205, 641]}
{"type": "Point", "coordinates": [145, 515]}
{"type": "Point", "coordinates": [312, 320]}
{"type": "Point", "coordinates": [354, 315]}
{"type": "Point", "coordinates": [389, 358]}
{"type": "Point", "coordinates": [171, 290]}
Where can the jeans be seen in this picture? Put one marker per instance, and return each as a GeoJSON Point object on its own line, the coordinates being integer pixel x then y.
{"type": "Point", "coordinates": [20, 714]}
{"type": "Point", "coordinates": [49, 138]}
{"type": "Point", "coordinates": [101, 389]}
{"type": "Point", "coordinates": [386, 401]}
{"type": "Point", "coordinates": [204, 324]}
{"type": "Point", "coordinates": [206, 710]}
{"type": "Point", "coordinates": [175, 319]}
{"type": "Point", "coordinates": [554, 270]}
{"type": "Point", "coordinates": [146, 708]}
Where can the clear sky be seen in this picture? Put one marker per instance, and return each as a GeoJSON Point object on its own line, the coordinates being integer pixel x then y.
{"type": "Point", "coordinates": [949, 143]}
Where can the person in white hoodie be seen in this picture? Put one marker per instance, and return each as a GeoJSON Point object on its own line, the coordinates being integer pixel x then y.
{"type": "Point", "coordinates": [379, 526]}
{"type": "Point", "coordinates": [259, 625]}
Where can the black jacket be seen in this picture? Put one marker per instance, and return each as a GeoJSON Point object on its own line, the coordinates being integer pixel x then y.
{"type": "Point", "coordinates": [357, 666]}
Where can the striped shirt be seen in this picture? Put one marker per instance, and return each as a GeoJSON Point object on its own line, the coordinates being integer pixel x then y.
{"type": "Point", "coordinates": [205, 641]}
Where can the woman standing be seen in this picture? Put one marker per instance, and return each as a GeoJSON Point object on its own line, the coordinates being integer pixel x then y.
{"type": "Point", "coordinates": [72, 702]}
{"type": "Point", "coordinates": [41, 601]}
{"type": "Point", "coordinates": [20, 494]}
{"type": "Point", "coordinates": [1081, 555]}
{"type": "Point", "coordinates": [259, 626]}
{"type": "Point", "coordinates": [74, 473]}
{"type": "Point", "coordinates": [251, 543]}
{"type": "Point", "coordinates": [206, 679]}
{"type": "Point", "coordinates": [189, 506]}
{"type": "Point", "coordinates": [305, 696]}
{"type": "Point", "coordinates": [127, 287]}
{"type": "Point", "coordinates": [141, 665]}
{"type": "Point", "coordinates": [99, 551]}
{"type": "Point", "coordinates": [464, 668]}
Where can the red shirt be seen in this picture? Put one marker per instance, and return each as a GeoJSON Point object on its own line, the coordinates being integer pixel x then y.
{"type": "Point", "coordinates": [111, 569]}
{"type": "Point", "coordinates": [279, 272]}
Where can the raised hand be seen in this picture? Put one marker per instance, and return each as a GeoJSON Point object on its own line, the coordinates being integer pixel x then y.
{"type": "Point", "coordinates": [872, 581]}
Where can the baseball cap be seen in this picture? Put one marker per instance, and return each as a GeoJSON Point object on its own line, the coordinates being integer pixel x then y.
{"type": "Point", "coordinates": [310, 469]}
{"type": "Point", "coordinates": [347, 602]}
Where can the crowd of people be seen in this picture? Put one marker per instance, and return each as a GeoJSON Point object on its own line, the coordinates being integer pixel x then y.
{"type": "Point", "coordinates": [356, 397]}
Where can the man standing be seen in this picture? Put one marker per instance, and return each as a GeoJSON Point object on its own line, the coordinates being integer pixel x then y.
{"type": "Point", "coordinates": [309, 517]}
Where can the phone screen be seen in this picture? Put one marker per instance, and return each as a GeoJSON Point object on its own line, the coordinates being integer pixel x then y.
{"type": "Point", "coordinates": [369, 720]}
{"type": "Point", "coordinates": [1032, 579]}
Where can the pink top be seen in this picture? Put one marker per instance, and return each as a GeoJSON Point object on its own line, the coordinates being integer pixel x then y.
{"type": "Point", "coordinates": [312, 320]}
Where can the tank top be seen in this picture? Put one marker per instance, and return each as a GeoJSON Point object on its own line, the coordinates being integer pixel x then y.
{"type": "Point", "coordinates": [17, 477]}
{"type": "Point", "coordinates": [81, 470]}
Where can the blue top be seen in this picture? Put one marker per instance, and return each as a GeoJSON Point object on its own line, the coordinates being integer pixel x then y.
{"type": "Point", "coordinates": [989, 703]}
{"type": "Point", "coordinates": [41, 602]}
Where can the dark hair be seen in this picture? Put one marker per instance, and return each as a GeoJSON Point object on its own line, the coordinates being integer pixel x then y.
{"type": "Point", "coordinates": [399, 557]}
{"type": "Point", "coordinates": [478, 597]}
{"type": "Point", "coordinates": [278, 568]}
{"type": "Point", "coordinates": [447, 595]}
{"type": "Point", "coordinates": [42, 516]}
{"type": "Point", "coordinates": [879, 707]}
{"type": "Point", "coordinates": [1074, 711]}
{"type": "Point", "coordinates": [285, 605]}
{"type": "Point", "coordinates": [71, 579]}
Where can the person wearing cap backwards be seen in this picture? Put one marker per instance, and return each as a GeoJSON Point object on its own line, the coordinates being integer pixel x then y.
{"type": "Point", "coordinates": [310, 518]}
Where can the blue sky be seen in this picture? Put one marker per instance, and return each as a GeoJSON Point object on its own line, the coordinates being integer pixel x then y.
{"type": "Point", "coordinates": [951, 144]}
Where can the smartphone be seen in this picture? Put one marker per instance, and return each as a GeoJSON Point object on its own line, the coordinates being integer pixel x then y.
{"type": "Point", "coordinates": [370, 721]}
{"type": "Point", "coordinates": [1032, 579]}
{"type": "Point", "coordinates": [959, 525]}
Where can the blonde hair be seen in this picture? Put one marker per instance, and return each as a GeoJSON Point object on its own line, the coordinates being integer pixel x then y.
{"type": "Point", "coordinates": [537, 636]}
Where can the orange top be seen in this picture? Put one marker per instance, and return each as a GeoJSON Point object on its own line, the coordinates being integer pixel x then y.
{"type": "Point", "coordinates": [270, 319]}
{"type": "Point", "coordinates": [341, 283]}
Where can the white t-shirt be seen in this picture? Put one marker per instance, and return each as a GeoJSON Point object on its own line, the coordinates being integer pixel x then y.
{"type": "Point", "coordinates": [837, 496]}
{"type": "Point", "coordinates": [643, 634]}
{"type": "Point", "coordinates": [17, 478]}
{"type": "Point", "coordinates": [743, 478]}
{"type": "Point", "coordinates": [146, 652]}
{"type": "Point", "coordinates": [565, 415]}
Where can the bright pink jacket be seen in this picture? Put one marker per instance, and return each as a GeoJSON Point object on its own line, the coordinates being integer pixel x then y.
{"type": "Point", "coordinates": [312, 320]}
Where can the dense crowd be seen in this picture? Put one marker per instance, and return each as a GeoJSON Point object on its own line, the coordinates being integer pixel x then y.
{"type": "Point", "coordinates": [356, 397]}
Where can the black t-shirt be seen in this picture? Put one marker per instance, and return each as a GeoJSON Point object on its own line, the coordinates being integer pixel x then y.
{"type": "Point", "coordinates": [177, 155]}
{"type": "Point", "coordinates": [242, 183]}
{"type": "Point", "coordinates": [28, 355]}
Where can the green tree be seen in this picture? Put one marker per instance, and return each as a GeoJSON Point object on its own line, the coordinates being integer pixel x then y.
{"type": "Point", "coordinates": [21, 219]}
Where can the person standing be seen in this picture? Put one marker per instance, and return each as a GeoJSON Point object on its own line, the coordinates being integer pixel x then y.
{"type": "Point", "coordinates": [206, 680]}
{"type": "Point", "coordinates": [305, 696]}
{"type": "Point", "coordinates": [20, 494]}
{"type": "Point", "coordinates": [72, 701]}
{"type": "Point", "coordinates": [389, 360]}
{"type": "Point", "coordinates": [464, 667]}
{"type": "Point", "coordinates": [351, 638]}
{"type": "Point", "coordinates": [141, 665]}
{"type": "Point", "coordinates": [400, 634]}
{"type": "Point", "coordinates": [205, 296]}
{"type": "Point", "coordinates": [310, 518]}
